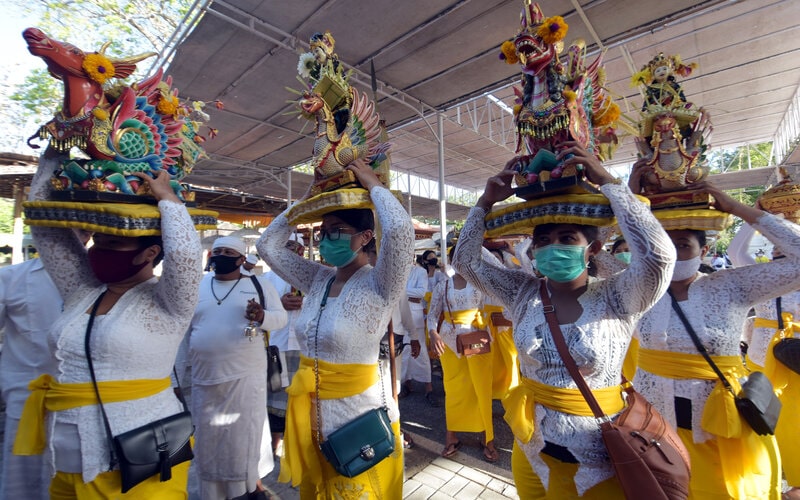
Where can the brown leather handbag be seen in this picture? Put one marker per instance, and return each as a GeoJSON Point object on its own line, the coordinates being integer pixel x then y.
{"type": "Point", "coordinates": [649, 459]}
{"type": "Point", "coordinates": [499, 320]}
{"type": "Point", "coordinates": [470, 343]}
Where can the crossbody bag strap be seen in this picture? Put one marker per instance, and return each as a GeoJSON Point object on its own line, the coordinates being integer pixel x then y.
{"type": "Point", "coordinates": [260, 291]}
{"type": "Point", "coordinates": [780, 313]}
{"type": "Point", "coordinates": [566, 357]}
{"type": "Point", "coordinates": [87, 348]}
{"type": "Point", "coordinates": [447, 303]}
{"type": "Point", "coordinates": [698, 344]}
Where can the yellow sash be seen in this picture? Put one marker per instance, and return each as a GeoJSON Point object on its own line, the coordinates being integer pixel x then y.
{"type": "Point", "coordinates": [471, 317]}
{"type": "Point", "coordinates": [519, 404]}
{"type": "Point", "coordinates": [49, 395]}
{"type": "Point", "coordinates": [777, 372]}
{"type": "Point", "coordinates": [335, 381]}
{"type": "Point", "coordinates": [739, 446]}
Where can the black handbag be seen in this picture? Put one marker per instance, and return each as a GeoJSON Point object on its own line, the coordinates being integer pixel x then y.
{"type": "Point", "coordinates": [274, 365]}
{"type": "Point", "coordinates": [361, 443]}
{"type": "Point", "coordinates": [274, 369]}
{"type": "Point", "coordinates": [756, 402]}
{"type": "Point", "coordinates": [148, 450]}
{"type": "Point", "coordinates": [787, 350]}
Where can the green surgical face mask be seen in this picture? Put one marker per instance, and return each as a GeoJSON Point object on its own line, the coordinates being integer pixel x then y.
{"type": "Point", "coordinates": [561, 263]}
{"type": "Point", "coordinates": [624, 257]}
{"type": "Point", "coordinates": [337, 253]}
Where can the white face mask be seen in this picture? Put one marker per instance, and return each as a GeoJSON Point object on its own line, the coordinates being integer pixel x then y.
{"type": "Point", "coordinates": [685, 269]}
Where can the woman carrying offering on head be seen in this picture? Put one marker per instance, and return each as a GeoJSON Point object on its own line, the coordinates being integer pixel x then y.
{"type": "Point", "coordinates": [345, 314]}
{"type": "Point", "coordinates": [558, 451]}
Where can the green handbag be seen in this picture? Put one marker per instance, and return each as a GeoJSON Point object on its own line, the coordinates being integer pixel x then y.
{"type": "Point", "coordinates": [361, 443]}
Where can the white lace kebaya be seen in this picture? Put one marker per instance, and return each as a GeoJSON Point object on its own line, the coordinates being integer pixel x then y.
{"type": "Point", "coordinates": [137, 339]}
{"type": "Point", "coordinates": [717, 306]}
{"type": "Point", "coordinates": [352, 324]}
{"type": "Point", "coordinates": [598, 340]}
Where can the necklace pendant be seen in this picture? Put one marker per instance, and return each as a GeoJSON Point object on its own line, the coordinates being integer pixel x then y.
{"type": "Point", "coordinates": [219, 302]}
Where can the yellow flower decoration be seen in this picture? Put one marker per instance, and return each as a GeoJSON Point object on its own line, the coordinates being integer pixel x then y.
{"type": "Point", "coordinates": [608, 114]}
{"type": "Point", "coordinates": [168, 105]}
{"type": "Point", "coordinates": [509, 52]}
{"type": "Point", "coordinates": [100, 114]}
{"type": "Point", "coordinates": [98, 67]}
{"type": "Point", "coordinates": [569, 95]}
{"type": "Point", "coordinates": [553, 29]}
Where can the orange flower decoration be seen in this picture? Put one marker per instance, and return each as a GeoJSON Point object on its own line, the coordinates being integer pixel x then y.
{"type": "Point", "coordinates": [168, 105]}
{"type": "Point", "coordinates": [553, 29]}
{"type": "Point", "coordinates": [98, 67]}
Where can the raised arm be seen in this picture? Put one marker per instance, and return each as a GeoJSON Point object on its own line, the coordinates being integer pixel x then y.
{"type": "Point", "coordinates": [294, 269]}
{"type": "Point", "coordinates": [737, 250]}
{"type": "Point", "coordinates": [647, 278]}
{"type": "Point", "coordinates": [390, 275]}
{"type": "Point", "coordinates": [62, 254]}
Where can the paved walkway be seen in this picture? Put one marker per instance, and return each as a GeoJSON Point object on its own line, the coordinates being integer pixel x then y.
{"type": "Point", "coordinates": [430, 476]}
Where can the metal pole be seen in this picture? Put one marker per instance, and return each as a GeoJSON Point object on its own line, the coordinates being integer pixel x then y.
{"type": "Point", "coordinates": [442, 203]}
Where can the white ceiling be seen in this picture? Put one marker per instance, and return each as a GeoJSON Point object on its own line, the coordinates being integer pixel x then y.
{"type": "Point", "coordinates": [440, 56]}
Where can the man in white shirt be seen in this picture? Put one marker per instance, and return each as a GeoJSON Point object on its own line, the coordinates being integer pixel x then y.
{"type": "Point", "coordinates": [229, 400]}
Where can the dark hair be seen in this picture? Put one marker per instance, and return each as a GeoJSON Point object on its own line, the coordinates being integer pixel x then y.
{"type": "Point", "coordinates": [617, 244]}
{"type": "Point", "coordinates": [591, 233]}
{"type": "Point", "coordinates": [148, 241]}
{"type": "Point", "coordinates": [370, 247]}
{"type": "Point", "coordinates": [360, 218]}
{"type": "Point", "coordinates": [422, 260]}
{"type": "Point", "coordinates": [699, 235]}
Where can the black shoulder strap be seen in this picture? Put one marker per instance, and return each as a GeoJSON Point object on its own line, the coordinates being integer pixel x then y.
{"type": "Point", "coordinates": [260, 290]}
{"type": "Point", "coordinates": [780, 311]}
{"type": "Point", "coordinates": [698, 344]}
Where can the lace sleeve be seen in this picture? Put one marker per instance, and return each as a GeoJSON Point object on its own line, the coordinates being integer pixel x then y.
{"type": "Point", "coordinates": [275, 316]}
{"type": "Point", "coordinates": [758, 283]}
{"type": "Point", "coordinates": [396, 245]}
{"type": "Point", "coordinates": [737, 250]}
{"type": "Point", "coordinates": [62, 254]}
{"type": "Point", "coordinates": [636, 289]}
{"type": "Point", "coordinates": [182, 268]}
{"type": "Point", "coordinates": [293, 268]}
{"type": "Point", "coordinates": [497, 281]}
{"type": "Point", "coordinates": [437, 305]}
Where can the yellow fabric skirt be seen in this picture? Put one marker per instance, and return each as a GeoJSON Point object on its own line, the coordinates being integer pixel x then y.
{"type": "Point", "coordinates": [108, 485]}
{"type": "Point", "coordinates": [505, 367]}
{"type": "Point", "coordinates": [384, 481]}
{"type": "Point", "coordinates": [468, 393]}
{"type": "Point", "coordinates": [709, 482]}
{"type": "Point", "coordinates": [562, 480]}
{"type": "Point", "coordinates": [787, 432]}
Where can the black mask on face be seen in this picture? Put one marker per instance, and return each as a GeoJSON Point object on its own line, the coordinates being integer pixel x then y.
{"type": "Point", "coordinates": [432, 262]}
{"type": "Point", "coordinates": [223, 264]}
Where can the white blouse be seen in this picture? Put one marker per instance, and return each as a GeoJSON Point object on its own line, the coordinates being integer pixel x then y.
{"type": "Point", "coordinates": [717, 306]}
{"type": "Point", "coordinates": [351, 325]}
{"type": "Point", "coordinates": [464, 299]}
{"type": "Point", "coordinates": [598, 340]}
{"type": "Point", "coordinates": [137, 339]}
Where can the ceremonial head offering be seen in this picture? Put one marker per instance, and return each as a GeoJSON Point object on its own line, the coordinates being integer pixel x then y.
{"type": "Point", "coordinates": [561, 98]}
{"type": "Point", "coordinates": [122, 129]}
{"type": "Point", "coordinates": [347, 127]}
{"type": "Point", "coordinates": [673, 133]}
{"type": "Point", "coordinates": [783, 198]}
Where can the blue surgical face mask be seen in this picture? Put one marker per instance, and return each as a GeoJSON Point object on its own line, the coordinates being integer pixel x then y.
{"type": "Point", "coordinates": [624, 257]}
{"type": "Point", "coordinates": [337, 253]}
{"type": "Point", "coordinates": [561, 263]}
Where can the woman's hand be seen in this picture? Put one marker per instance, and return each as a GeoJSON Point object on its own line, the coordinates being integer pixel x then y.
{"type": "Point", "coordinates": [635, 180]}
{"type": "Point", "coordinates": [498, 187]}
{"type": "Point", "coordinates": [159, 186]}
{"type": "Point", "coordinates": [364, 173]}
{"type": "Point", "coordinates": [437, 344]}
{"type": "Point", "coordinates": [591, 165]}
{"type": "Point", "coordinates": [723, 202]}
{"type": "Point", "coordinates": [415, 348]}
